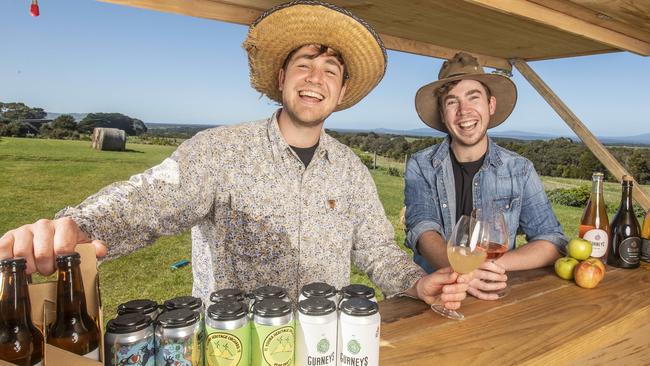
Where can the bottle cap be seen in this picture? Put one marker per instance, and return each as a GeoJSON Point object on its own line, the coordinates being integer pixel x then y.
{"type": "Point", "coordinates": [128, 323]}
{"type": "Point", "coordinates": [68, 259]}
{"type": "Point", "coordinates": [14, 264]}
{"type": "Point", "coordinates": [272, 307]}
{"type": "Point", "coordinates": [227, 294]}
{"type": "Point", "coordinates": [190, 302]}
{"type": "Point", "coordinates": [358, 306]}
{"type": "Point", "coordinates": [266, 292]}
{"type": "Point", "coordinates": [227, 310]}
{"type": "Point", "coordinates": [138, 306]}
{"type": "Point", "coordinates": [358, 290]}
{"type": "Point", "coordinates": [316, 306]}
{"type": "Point", "coordinates": [318, 289]}
{"type": "Point", "coordinates": [178, 318]}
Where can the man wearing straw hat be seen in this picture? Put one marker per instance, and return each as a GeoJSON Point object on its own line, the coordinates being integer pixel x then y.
{"type": "Point", "coordinates": [468, 170]}
{"type": "Point", "coordinates": [273, 202]}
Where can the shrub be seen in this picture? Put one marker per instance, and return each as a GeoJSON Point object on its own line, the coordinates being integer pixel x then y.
{"type": "Point", "coordinates": [574, 197]}
{"type": "Point", "coordinates": [394, 172]}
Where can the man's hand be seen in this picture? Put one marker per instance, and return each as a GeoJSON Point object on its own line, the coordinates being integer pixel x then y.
{"type": "Point", "coordinates": [443, 284]}
{"type": "Point", "coordinates": [490, 276]}
{"type": "Point", "coordinates": [41, 241]}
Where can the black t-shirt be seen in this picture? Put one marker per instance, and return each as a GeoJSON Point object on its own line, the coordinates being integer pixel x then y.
{"type": "Point", "coordinates": [305, 153]}
{"type": "Point", "coordinates": [463, 177]}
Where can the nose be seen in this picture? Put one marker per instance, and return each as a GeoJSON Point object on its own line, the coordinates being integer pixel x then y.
{"type": "Point", "coordinates": [315, 76]}
{"type": "Point", "coordinates": [463, 107]}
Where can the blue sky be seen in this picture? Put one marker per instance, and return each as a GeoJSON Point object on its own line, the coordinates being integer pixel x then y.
{"type": "Point", "coordinates": [86, 56]}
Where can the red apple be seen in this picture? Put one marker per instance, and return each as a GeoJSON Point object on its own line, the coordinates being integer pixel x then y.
{"type": "Point", "coordinates": [597, 262]}
{"type": "Point", "coordinates": [587, 274]}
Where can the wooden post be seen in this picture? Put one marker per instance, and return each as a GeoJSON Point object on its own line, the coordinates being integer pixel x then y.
{"type": "Point", "coordinates": [580, 129]}
{"type": "Point", "coordinates": [374, 160]}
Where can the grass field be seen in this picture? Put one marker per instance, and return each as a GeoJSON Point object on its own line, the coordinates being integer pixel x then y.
{"type": "Point", "coordinates": [39, 177]}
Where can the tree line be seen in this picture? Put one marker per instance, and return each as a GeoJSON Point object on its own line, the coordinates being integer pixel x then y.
{"type": "Point", "coordinates": [21, 120]}
{"type": "Point", "coordinates": [559, 157]}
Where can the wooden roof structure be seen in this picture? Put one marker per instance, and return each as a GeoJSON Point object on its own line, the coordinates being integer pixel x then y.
{"type": "Point", "coordinates": [500, 33]}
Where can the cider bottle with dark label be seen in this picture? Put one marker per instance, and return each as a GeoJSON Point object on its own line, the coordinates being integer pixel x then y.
{"type": "Point", "coordinates": [594, 226]}
{"type": "Point", "coordinates": [645, 239]}
{"type": "Point", "coordinates": [73, 330]}
{"type": "Point", "coordinates": [21, 343]}
{"type": "Point", "coordinates": [625, 241]}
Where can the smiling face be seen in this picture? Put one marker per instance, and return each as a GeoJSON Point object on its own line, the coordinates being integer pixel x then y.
{"type": "Point", "coordinates": [466, 109]}
{"type": "Point", "coordinates": [312, 84]}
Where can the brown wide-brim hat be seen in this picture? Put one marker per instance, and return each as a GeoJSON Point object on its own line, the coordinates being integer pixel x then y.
{"type": "Point", "coordinates": [286, 27]}
{"type": "Point", "coordinates": [461, 67]}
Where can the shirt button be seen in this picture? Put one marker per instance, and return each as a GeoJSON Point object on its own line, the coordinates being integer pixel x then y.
{"type": "Point", "coordinates": [444, 205]}
{"type": "Point", "coordinates": [476, 184]}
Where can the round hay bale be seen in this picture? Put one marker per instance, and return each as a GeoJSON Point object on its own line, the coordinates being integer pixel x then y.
{"type": "Point", "coordinates": [111, 139]}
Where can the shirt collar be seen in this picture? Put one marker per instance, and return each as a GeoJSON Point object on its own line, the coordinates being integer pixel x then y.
{"type": "Point", "coordinates": [326, 145]}
{"type": "Point", "coordinates": [491, 158]}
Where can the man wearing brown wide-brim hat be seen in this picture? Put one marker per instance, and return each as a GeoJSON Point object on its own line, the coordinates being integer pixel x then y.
{"type": "Point", "coordinates": [468, 171]}
{"type": "Point", "coordinates": [271, 202]}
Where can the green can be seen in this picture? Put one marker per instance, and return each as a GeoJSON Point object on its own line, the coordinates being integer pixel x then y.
{"type": "Point", "coordinates": [228, 335]}
{"type": "Point", "coordinates": [273, 334]}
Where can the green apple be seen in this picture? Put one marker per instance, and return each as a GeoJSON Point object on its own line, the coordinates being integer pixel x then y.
{"type": "Point", "coordinates": [564, 267]}
{"type": "Point", "coordinates": [579, 249]}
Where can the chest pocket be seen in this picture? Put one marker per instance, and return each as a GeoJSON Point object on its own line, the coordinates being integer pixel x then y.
{"type": "Point", "coordinates": [510, 207]}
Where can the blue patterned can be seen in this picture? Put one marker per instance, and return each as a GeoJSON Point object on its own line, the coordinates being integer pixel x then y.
{"type": "Point", "coordinates": [129, 340]}
{"type": "Point", "coordinates": [179, 338]}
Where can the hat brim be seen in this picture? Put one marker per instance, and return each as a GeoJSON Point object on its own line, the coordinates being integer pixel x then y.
{"type": "Point", "coordinates": [285, 28]}
{"type": "Point", "coordinates": [501, 87]}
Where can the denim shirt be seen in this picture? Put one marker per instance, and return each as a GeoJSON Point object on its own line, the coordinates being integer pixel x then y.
{"type": "Point", "coordinates": [506, 179]}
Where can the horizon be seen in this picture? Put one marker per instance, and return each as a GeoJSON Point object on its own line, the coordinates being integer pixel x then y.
{"type": "Point", "coordinates": [167, 68]}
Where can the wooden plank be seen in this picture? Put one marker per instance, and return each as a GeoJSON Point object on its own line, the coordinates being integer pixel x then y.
{"type": "Point", "coordinates": [632, 349]}
{"type": "Point", "coordinates": [547, 321]}
{"type": "Point", "coordinates": [428, 49]}
{"type": "Point", "coordinates": [581, 130]}
{"type": "Point", "coordinates": [565, 22]}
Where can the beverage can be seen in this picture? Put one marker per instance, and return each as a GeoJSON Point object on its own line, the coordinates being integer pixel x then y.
{"type": "Point", "coordinates": [129, 340]}
{"type": "Point", "coordinates": [320, 289]}
{"type": "Point", "coordinates": [358, 340]}
{"type": "Point", "coordinates": [227, 294]}
{"type": "Point", "coordinates": [273, 333]}
{"type": "Point", "coordinates": [228, 334]}
{"type": "Point", "coordinates": [357, 290]}
{"type": "Point", "coordinates": [316, 332]}
{"type": "Point", "coordinates": [147, 307]}
{"type": "Point", "coordinates": [179, 338]}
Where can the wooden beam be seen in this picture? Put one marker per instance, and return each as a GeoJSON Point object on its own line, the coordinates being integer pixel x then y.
{"type": "Point", "coordinates": [246, 15]}
{"type": "Point", "coordinates": [567, 23]}
{"type": "Point", "coordinates": [428, 49]}
{"type": "Point", "coordinates": [581, 130]}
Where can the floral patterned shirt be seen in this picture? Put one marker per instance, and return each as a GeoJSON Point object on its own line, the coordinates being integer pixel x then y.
{"type": "Point", "coordinates": [258, 216]}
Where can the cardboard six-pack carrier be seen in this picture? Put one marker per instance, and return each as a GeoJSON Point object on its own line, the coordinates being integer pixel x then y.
{"type": "Point", "coordinates": [43, 300]}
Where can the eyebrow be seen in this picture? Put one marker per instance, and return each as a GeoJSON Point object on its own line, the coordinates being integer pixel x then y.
{"type": "Point", "coordinates": [330, 59]}
{"type": "Point", "coordinates": [468, 93]}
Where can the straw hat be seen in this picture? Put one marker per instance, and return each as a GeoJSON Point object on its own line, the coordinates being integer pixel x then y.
{"type": "Point", "coordinates": [461, 67]}
{"type": "Point", "coordinates": [281, 29]}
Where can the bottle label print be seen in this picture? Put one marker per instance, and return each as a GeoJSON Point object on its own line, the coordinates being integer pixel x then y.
{"type": "Point", "coordinates": [227, 348]}
{"type": "Point", "coordinates": [140, 353]}
{"type": "Point", "coordinates": [598, 239]}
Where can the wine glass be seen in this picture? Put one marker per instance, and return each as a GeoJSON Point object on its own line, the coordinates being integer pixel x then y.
{"type": "Point", "coordinates": [466, 251]}
{"type": "Point", "coordinates": [499, 241]}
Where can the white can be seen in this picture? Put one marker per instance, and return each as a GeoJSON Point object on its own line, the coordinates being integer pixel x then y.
{"type": "Point", "coordinates": [316, 333]}
{"type": "Point", "coordinates": [358, 340]}
{"type": "Point", "coordinates": [357, 290]}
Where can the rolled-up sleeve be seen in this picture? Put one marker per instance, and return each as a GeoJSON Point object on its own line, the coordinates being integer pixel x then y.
{"type": "Point", "coordinates": [421, 214]}
{"type": "Point", "coordinates": [537, 220]}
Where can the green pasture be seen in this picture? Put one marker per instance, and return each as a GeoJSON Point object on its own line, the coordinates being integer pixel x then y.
{"type": "Point", "coordinates": [39, 177]}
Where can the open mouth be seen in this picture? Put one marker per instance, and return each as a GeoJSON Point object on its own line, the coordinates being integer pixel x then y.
{"type": "Point", "coordinates": [467, 126]}
{"type": "Point", "coordinates": [311, 96]}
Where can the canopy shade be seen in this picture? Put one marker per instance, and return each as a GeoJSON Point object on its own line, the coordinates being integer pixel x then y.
{"type": "Point", "coordinates": [493, 30]}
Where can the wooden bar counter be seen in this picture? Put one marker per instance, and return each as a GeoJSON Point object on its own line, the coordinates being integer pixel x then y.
{"type": "Point", "coordinates": [544, 320]}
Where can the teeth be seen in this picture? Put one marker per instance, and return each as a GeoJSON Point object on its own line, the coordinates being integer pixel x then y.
{"type": "Point", "coordinates": [467, 124]}
{"type": "Point", "coordinates": [308, 93]}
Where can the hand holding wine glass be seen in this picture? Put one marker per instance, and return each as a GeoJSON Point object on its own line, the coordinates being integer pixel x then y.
{"type": "Point", "coordinates": [466, 251]}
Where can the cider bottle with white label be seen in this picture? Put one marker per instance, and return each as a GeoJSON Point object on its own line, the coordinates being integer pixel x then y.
{"type": "Point", "coordinates": [594, 226]}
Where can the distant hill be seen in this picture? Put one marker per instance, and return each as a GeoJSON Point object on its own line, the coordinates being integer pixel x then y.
{"type": "Point", "coordinates": [77, 116]}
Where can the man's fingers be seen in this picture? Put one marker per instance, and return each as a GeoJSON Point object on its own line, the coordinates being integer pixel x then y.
{"type": "Point", "coordinates": [482, 295]}
{"type": "Point", "coordinates": [100, 248]}
{"type": "Point", "coordinates": [7, 245]}
{"type": "Point", "coordinates": [23, 246]}
{"type": "Point", "coordinates": [453, 305]}
{"type": "Point", "coordinates": [487, 286]}
{"type": "Point", "coordinates": [44, 246]}
{"type": "Point", "coordinates": [493, 266]}
{"type": "Point", "coordinates": [66, 233]}
{"type": "Point", "coordinates": [489, 276]}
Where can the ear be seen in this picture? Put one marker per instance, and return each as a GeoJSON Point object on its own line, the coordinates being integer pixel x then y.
{"type": "Point", "coordinates": [280, 79]}
{"type": "Point", "coordinates": [343, 88]}
{"type": "Point", "coordinates": [493, 105]}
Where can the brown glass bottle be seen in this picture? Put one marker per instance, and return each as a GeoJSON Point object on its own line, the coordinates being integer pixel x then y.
{"type": "Point", "coordinates": [625, 241]}
{"type": "Point", "coordinates": [21, 343]}
{"type": "Point", "coordinates": [594, 225]}
{"type": "Point", "coordinates": [645, 238]}
{"type": "Point", "coordinates": [73, 329]}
